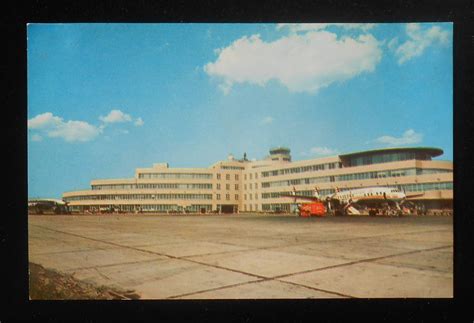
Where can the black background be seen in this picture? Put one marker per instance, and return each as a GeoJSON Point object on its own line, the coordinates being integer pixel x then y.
{"type": "Point", "coordinates": [14, 301]}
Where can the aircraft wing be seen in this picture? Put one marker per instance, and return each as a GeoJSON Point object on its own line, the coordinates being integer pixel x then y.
{"type": "Point", "coordinates": [409, 196]}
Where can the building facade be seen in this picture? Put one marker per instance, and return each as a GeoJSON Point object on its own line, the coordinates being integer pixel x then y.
{"type": "Point", "coordinates": [240, 185]}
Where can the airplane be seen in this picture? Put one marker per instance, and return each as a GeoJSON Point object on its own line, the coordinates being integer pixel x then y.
{"type": "Point", "coordinates": [40, 206]}
{"type": "Point", "coordinates": [350, 197]}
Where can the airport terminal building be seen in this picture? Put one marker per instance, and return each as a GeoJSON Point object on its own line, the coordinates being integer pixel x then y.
{"type": "Point", "coordinates": [240, 185]}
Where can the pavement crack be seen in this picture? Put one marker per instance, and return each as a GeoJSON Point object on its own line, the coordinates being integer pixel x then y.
{"type": "Point", "coordinates": [102, 274]}
{"type": "Point", "coordinates": [215, 289]}
{"type": "Point", "coordinates": [362, 261]}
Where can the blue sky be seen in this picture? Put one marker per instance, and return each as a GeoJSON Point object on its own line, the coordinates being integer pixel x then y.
{"type": "Point", "coordinates": [104, 99]}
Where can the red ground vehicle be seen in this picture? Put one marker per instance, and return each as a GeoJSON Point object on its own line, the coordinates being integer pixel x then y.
{"type": "Point", "coordinates": [312, 209]}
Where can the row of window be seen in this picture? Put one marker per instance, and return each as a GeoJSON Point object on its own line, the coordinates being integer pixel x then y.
{"type": "Point", "coordinates": [284, 207]}
{"type": "Point", "coordinates": [250, 176]}
{"type": "Point", "coordinates": [425, 171]}
{"type": "Point", "coordinates": [293, 182]}
{"type": "Point", "coordinates": [114, 187]}
{"type": "Point", "coordinates": [227, 197]}
{"type": "Point", "coordinates": [387, 157]}
{"type": "Point", "coordinates": [251, 186]}
{"type": "Point", "coordinates": [251, 196]}
{"type": "Point", "coordinates": [175, 175]}
{"type": "Point", "coordinates": [146, 207]}
{"type": "Point", "coordinates": [296, 170]}
{"type": "Point", "coordinates": [391, 173]}
{"type": "Point", "coordinates": [426, 187]}
{"type": "Point", "coordinates": [191, 175]}
{"type": "Point", "coordinates": [151, 186]}
{"type": "Point", "coordinates": [355, 176]}
{"type": "Point", "coordinates": [158, 207]}
{"type": "Point", "coordinates": [227, 176]}
{"type": "Point", "coordinates": [227, 186]}
{"type": "Point", "coordinates": [165, 207]}
{"type": "Point", "coordinates": [141, 197]}
{"type": "Point", "coordinates": [233, 167]}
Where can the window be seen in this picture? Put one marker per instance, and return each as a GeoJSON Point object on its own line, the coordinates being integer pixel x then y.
{"type": "Point", "coordinates": [250, 185]}
{"type": "Point", "coordinates": [227, 176]}
{"type": "Point", "coordinates": [236, 187]}
{"type": "Point", "coordinates": [256, 175]}
{"type": "Point", "coordinates": [218, 196]}
{"type": "Point", "coordinates": [245, 186]}
{"type": "Point", "coordinates": [227, 197]}
{"type": "Point", "coordinates": [236, 177]}
{"type": "Point", "coordinates": [245, 197]}
{"type": "Point", "coordinates": [256, 196]}
{"type": "Point", "coordinates": [227, 186]}
{"type": "Point", "coordinates": [218, 186]}
{"type": "Point", "coordinates": [255, 185]}
{"type": "Point", "coordinates": [218, 176]}
{"type": "Point", "coordinates": [250, 176]}
{"type": "Point", "coordinates": [236, 196]}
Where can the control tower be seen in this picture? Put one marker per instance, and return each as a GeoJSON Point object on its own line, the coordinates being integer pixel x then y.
{"type": "Point", "coordinates": [280, 154]}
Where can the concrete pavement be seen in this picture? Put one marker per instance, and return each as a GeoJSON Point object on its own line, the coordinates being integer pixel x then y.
{"type": "Point", "coordinates": [250, 256]}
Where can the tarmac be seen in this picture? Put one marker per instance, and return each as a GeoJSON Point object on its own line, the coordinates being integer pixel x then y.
{"type": "Point", "coordinates": [250, 256]}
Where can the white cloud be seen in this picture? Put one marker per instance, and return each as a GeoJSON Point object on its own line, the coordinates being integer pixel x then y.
{"type": "Point", "coordinates": [43, 121]}
{"type": "Point", "coordinates": [54, 127]}
{"type": "Point", "coordinates": [418, 40]}
{"type": "Point", "coordinates": [116, 116]}
{"type": "Point", "coordinates": [301, 62]}
{"type": "Point", "coordinates": [267, 120]}
{"type": "Point", "coordinates": [408, 137]}
{"type": "Point", "coordinates": [323, 151]}
{"type": "Point", "coordinates": [319, 26]}
{"type": "Point", "coordinates": [139, 122]}
{"type": "Point", "coordinates": [75, 131]}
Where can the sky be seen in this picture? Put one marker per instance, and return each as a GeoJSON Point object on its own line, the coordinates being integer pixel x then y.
{"type": "Point", "coordinates": [105, 99]}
